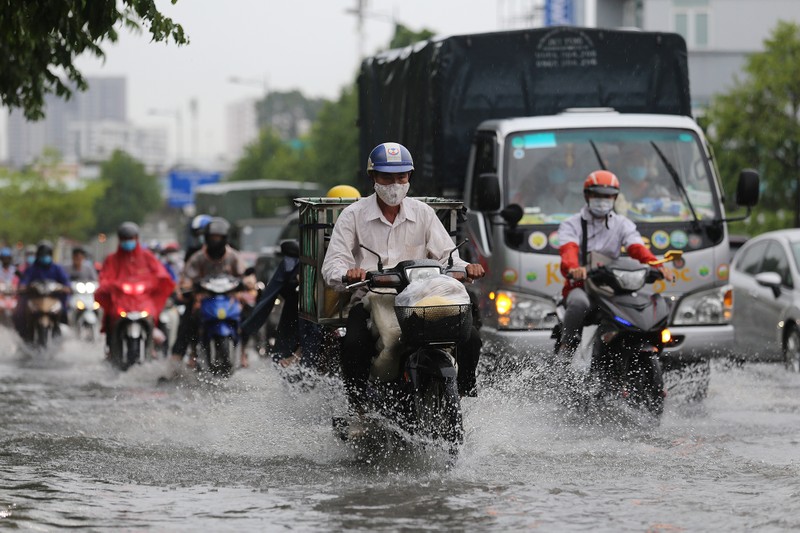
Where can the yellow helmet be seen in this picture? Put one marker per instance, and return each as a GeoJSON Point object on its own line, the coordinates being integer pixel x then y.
{"type": "Point", "coordinates": [343, 191]}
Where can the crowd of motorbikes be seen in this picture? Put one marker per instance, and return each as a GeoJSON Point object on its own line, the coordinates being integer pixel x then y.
{"type": "Point", "coordinates": [413, 387]}
{"type": "Point", "coordinates": [135, 331]}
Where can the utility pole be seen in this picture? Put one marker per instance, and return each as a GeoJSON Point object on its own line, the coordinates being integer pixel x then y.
{"type": "Point", "coordinates": [193, 112]}
{"type": "Point", "coordinates": [359, 11]}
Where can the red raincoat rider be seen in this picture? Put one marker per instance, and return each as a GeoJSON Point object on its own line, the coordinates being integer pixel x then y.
{"type": "Point", "coordinates": [132, 278]}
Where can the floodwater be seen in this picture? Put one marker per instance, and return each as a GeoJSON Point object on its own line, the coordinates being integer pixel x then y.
{"type": "Point", "coordinates": [85, 447]}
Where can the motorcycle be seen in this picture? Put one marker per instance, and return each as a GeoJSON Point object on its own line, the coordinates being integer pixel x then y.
{"type": "Point", "coordinates": [44, 309]}
{"type": "Point", "coordinates": [631, 330]}
{"type": "Point", "coordinates": [84, 310]}
{"type": "Point", "coordinates": [8, 304]}
{"type": "Point", "coordinates": [132, 325]}
{"type": "Point", "coordinates": [413, 384]}
{"type": "Point", "coordinates": [220, 317]}
{"type": "Point", "coordinates": [168, 321]}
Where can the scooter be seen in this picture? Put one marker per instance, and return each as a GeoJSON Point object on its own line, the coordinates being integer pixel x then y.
{"type": "Point", "coordinates": [414, 385]}
{"type": "Point", "coordinates": [8, 303]}
{"type": "Point", "coordinates": [167, 327]}
{"type": "Point", "coordinates": [44, 312]}
{"type": "Point", "coordinates": [631, 330]}
{"type": "Point", "coordinates": [84, 310]}
{"type": "Point", "coordinates": [132, 327]}
{"type": "Point", "coordinates": [220, 317]}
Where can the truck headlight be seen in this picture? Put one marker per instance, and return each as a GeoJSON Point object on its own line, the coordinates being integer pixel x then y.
{"type": "Point", "coordinates": [713, 306]}
{"type": "Point", "coordinates": [523, 311]}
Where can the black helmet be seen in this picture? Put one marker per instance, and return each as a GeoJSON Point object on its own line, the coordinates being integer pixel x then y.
{"type": "Point", "coordinates": [218, 226]}
{"type": "Point", "coordinates": [44, 247]}
{"type": "Point", "coordinates": [127, 230]}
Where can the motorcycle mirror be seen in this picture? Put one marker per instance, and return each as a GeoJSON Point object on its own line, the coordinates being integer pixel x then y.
{"type": "Point", "coordinates": [376, 254]}
{"type": "Point", "coordinates": [450, 257]}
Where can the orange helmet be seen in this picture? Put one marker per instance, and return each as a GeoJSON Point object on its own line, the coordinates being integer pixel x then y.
{"type": "Point", "coordinates": [601, 182]}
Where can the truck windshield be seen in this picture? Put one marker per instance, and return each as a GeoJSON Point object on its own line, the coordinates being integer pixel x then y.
{"type": "Point", "coordinates": [545, 172]}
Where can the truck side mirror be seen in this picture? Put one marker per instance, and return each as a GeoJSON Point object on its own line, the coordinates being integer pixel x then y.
{"type": "Point", "coordinates": [512, 214]}
{"type": "Point", "coordinates": [747, 188]}
{"type": "Point", "coordinates": [487, 193]}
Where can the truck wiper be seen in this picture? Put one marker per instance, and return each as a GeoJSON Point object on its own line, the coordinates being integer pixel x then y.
{"type": "Point", "coordinates": [674, 174]}
{"type": "Point", "coordinates": [597, 154]}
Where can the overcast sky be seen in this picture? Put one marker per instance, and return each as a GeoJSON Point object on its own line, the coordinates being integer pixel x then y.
{"type": "Point", "coordinates": [310, 45]}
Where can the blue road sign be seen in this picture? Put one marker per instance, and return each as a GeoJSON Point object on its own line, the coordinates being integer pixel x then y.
{"type": "Point", "coordinates": [559, 13]}
{"type": "Point", "coordinates": [182, 184]}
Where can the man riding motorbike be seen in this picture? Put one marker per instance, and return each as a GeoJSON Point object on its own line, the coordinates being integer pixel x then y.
{"type": "Point", "coordinates": [80, 269]}
{"type": "Point", "coordinates": [398, 228]}
{"type": "Point", "coordinates": [8, 287]}
{"type": "Point", "coordinates": [42, 269]}
{"type": "Point", "coordinates": [215, 257]}
{"type": "Point", "coordinates": [596, 228]}
{"type": "Point", "coordinates": [131, 263]}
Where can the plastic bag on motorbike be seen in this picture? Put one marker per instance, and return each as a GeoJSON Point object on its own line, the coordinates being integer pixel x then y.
{"type": "Point", "coordinates": [438, 290]}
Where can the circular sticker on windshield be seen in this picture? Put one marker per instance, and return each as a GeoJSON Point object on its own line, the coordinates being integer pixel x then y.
{"type": "Point", "coordinates": [517, 142]}
{"type": "Point", "coordinates": [519, 153]}
{"type": "Point", "coordinates": [660, 239]}
{"type": "Point", "coordinates": [554, 239]}
{"type": "Point", "coordinates": [537, 240]}
{"type": "Point", "coordinates": [510, 275]}
{"type": "Point", "coordinates": [695, 240]}
{"type": "Point", "coordinates": [679, 239]}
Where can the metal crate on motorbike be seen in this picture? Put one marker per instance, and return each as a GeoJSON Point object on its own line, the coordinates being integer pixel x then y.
{"type": "Point", "coordinates": [318, 303]}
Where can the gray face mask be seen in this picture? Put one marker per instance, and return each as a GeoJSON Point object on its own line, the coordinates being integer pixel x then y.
{"type": "Point", "coordinates": [600, 207]}
{"type": "Point", "coordinates": [392, 194]}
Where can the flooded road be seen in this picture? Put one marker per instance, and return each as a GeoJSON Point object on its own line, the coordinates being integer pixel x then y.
{"type": "Point", "coordinates": [82, 446]}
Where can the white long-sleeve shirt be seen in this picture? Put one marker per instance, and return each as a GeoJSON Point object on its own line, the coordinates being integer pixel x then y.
{"type": "Point", "coordinates": [417, 233]}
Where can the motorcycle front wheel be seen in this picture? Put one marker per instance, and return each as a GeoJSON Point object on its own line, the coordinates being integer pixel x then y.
{"type": "Point", "coordinates": [646, 382]}
{"type": "Point", "coordinates": [43, 335]}
{"type": "Point", "coordinates": [437, 412]}
{"type": "Point", "coordinates": [219, 356]}
{"type": "Point", "coordinates": [132, 352]}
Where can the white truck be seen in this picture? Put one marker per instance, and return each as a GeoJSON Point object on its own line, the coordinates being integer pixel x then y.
{"type": "Point", "coordinates": [513, 122]}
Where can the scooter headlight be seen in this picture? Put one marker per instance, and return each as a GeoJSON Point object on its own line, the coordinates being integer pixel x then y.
{"type": "Point", "coordinates": [630, 280]}
{"type": "Point", "coordinates": [417, 273]}
{"type": "Point", "coordinates": [713, 306]}
{"type": "Point", "coordinates": [523, 311]}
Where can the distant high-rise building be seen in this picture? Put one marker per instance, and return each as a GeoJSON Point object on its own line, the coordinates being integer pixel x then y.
{"type": "Point", "coordinates": [241, 127]}
{"type": "Point", "coordinates": [88, 126]}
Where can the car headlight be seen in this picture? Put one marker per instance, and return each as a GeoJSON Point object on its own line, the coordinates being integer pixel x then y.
{"type": "Point", "coordinates": [714, 306]}
{"type": "Point", "coordinates": [523, 311]}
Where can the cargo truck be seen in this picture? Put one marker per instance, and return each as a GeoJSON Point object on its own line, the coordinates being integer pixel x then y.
{"type": "Point", "coordinates": [512, 123]}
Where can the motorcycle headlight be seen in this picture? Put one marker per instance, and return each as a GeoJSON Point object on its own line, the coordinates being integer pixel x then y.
{"type": "Point", "coordinates": [630, 280]}
{"type": "Point", "coordinates": [523, 311]}
{"type": "Point", "coordinates": [714, 306]}
{"type": "Point", "coordinates": [413, 274]}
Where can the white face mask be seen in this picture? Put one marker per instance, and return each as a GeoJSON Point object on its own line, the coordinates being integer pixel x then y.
{"type": "Point", "coordinates": [392, 194]}
{"type": "Point", "coordinates": [600, 207]}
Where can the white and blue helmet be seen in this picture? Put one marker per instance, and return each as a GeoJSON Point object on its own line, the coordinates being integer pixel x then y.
{"type": "Point", "coordinates": [390, 157]}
